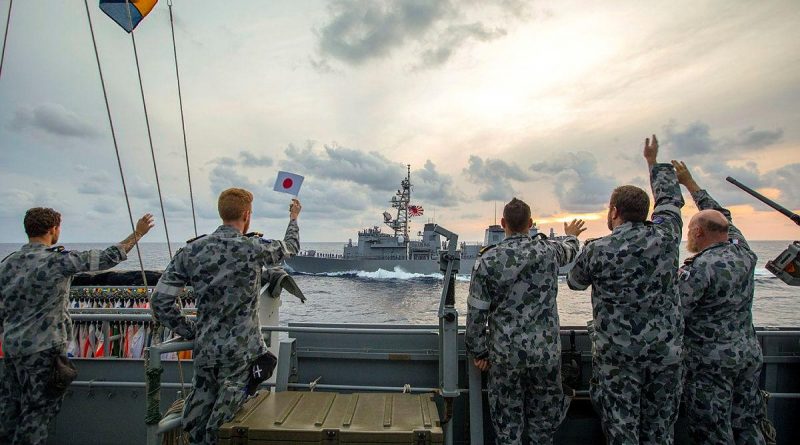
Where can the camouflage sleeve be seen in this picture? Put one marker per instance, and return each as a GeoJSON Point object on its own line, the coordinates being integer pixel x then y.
{"type": "Point", "coordinates": [704, 201]}
{"type": "Point", "coordinates": [692, 283]}
{"type": "Point", "coordinates": [274, 251]}
{"type": "Point", "coordinates": [163, 300]}
{"type": "Point", "coordinates": [566, 250]}
{"type": "Point", "coordinates": [669, 201]}
{"type": "Point", "coordinates": [580, 276]}
{"type": "Point", "coordinates": [92, 260]}
{"type": "Point", "coordinates": [478, 304]}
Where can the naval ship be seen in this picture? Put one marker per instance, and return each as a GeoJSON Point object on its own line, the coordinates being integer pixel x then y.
{"type": "Point", "coordinates": [394, 250]}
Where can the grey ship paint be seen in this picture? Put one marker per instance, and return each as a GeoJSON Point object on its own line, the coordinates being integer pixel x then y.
{"type": "Point", "coordinates": [378, 250]}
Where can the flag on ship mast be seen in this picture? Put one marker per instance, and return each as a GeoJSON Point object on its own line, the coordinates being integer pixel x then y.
{"type": "Point", "coordinates": [415, 210]}
{"type": "Point", "coordinates": [127, 13]}
{"type": "Point", "coordinates": [288, 183]}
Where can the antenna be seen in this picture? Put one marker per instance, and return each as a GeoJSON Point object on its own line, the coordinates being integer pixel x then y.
{"type": "Point", "coordinates": [495, 213]}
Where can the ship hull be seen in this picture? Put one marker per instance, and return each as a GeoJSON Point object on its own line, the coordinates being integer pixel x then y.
{"type": "Point", "coordinates": [317, 265]}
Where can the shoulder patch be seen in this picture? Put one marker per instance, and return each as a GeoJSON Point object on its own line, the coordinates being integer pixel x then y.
{"type": "Point", "coordinates": [658, 220]}
{"type": "Point", "coordinates": [486, 249]}
{"type": "Point", "coordinates": [195, 238]}
{"type": "Point", "coordinates": [540, 235]}
{"type": "Point", "coordinates": [59, 249]}
{"type": "Point", "coordinates": [254, 234]}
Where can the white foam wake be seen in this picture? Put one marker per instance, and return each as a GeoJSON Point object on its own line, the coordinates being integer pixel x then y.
{"type": "Point", "coordinates": [396, 274]}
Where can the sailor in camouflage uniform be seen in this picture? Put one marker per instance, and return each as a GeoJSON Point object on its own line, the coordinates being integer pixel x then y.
{"type": "Point", "coordinates": [513, 289]}
{"type": "Point", "coordinates": [722, 356]}
{"type": "Point", "coordinates": [637, 329]}
{"type": "Point", "coordinates": [224, 269]}
{"type": "Point", "coordinates": [35, 323]}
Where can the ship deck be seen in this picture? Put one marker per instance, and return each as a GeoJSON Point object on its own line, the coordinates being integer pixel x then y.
{"type": "Point", "coordinates": [107, 403]}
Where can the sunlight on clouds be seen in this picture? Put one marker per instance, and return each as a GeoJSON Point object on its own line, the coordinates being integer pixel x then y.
{"type": "Point", "coordinates": [567, 217]}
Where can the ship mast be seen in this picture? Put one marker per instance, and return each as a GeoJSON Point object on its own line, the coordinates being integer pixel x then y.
{"type": "Point", "coordinates": [400, 202]}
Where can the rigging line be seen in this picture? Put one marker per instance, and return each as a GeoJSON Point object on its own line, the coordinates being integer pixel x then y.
{"type": "Point", "coordinates": [114, 138]}
{"type": "Point", "coordinates": [5, 36]}
{"type": "Point", "coordinates": [153, 155]}
{"type": "Point", "coordinates": [147, 123]}
{"type": "Point", "coordinates": [183, 123]}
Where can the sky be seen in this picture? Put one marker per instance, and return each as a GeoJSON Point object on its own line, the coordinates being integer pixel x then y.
{"type": "Point", "coordinates": [547, 101]}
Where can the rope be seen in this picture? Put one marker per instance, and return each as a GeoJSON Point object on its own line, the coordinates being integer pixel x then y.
{"type": "Point", "coordinates": [183, 123]}
{"type": "Point", "coordinates": [114, 138]}
{"type": "Point", "coordinates": [147, 123]}
{"type": "Point", "coordinates": [153, 412]}
{"type": "Point", "coordinates": [5, 36]}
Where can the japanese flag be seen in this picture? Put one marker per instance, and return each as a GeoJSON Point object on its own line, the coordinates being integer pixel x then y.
{"type": "Point", "coordinates": [288, 183]}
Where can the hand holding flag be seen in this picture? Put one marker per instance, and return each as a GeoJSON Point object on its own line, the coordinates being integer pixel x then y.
{"type": "Point", "coordinates": [288, 183]}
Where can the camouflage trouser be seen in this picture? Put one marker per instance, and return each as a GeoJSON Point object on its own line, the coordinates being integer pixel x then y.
{"type": "Point", "coordinates": [637, 404]}
{"type": "Point", "coordinates": [217, 393]}
{"type": "Point", "coordinates": [526, 397]}
{"type": "Point", "coordinates": [724, 405]}
{"type": "Point", "coordinates": [25, 412]}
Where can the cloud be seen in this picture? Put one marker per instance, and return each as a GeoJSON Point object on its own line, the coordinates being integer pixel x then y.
{"type": "Point", "coordinates": [345, 164]}
{"type": "Point", "coordinates": [249, 159]}
{"type": "Point", "coordinates": [224, 176]}
{"type": "Point", "coordinates": [328, 200]}
{"type": "Point", "coordinates": [103, 183]}
{"type": "Point", "coordinates": [785, 180]}
{"type": "Point", "coordinates": [753, 139]}
{"type": "Point", "coordinates": [96, 184]}
{"type": "Point", "coordinates": [494, 176]}
{"type": "Point", "coordinates": [578, 184]}
{"type": "Point", "coordinates": [53, 119]}
{"type": "Point", "coordinates": [433, 187]}
{"type": "Point", "coordinates": [17, 201]}
{"type": "Point", "coordinates": [696, 140]}
{"type": "Point", "coordinates": [104, 207]}
{"type": "Point", "coordinates": [711, 159]}
{"type": "Point", "coordinates": [453, 38]}
{"type": "Point", "coordinates": [357, 32]}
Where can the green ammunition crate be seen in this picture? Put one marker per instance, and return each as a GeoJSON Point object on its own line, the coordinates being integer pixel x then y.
{"type": "Point", "coordinates": [314, 418]}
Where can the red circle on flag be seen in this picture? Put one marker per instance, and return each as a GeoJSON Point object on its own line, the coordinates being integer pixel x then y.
{"type": "Point", "coordinates": [287, 183]}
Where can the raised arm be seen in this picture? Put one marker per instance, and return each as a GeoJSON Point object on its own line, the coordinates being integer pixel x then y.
{"type": "Point", "coordinates": [703, 200]}
{"type": "Point", "coordinates": [666, 192]}
{"type": "Point", "coordinates": [580, 276]}
{"type": "Point", "coordinates": [276, 250]}
{"type": "Point", "coordinates": [478, 304]}
{"type": "Point", "coordinates": [94, 260]}
{"type": "Point", "coordinates": [164, 298]}
{"type": "Point", "coordinates": [567, 250]}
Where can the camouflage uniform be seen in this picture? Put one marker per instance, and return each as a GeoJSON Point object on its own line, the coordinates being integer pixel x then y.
{"type": "Point", "coordinates": [224, 270]}
{"type": "Point", "coordinates": [34, 294]}
{"type": "Point", "coordinates": [723, 358]}
{"type": "Point", "coordinates": [637, 329]}
{"type": "Point", "coordinates": [514, 286]}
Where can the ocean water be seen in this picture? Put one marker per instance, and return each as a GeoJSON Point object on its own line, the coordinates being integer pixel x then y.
{"type": "Point", "coordinates": [399, 297]}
